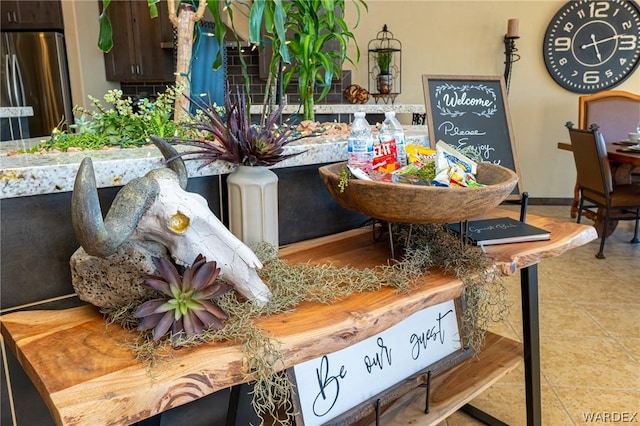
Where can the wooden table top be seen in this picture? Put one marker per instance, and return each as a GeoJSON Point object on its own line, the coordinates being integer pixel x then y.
{"type": "Point", "coordinates": [613, 154]}
{"type": "Point", "coordinates": [88, 376]}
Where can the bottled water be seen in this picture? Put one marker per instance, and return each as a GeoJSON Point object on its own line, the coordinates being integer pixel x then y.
{"type": "Point", "coordinates": [392, 129]}
{"type": "Point", "coordinates": [360, 143]}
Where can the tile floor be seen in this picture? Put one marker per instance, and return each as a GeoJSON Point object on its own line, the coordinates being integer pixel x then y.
{"type": "Point", "coordinates": [589, 334]}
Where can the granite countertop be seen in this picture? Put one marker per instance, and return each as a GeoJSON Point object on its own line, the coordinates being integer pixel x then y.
{"type": "Point", "coordinates": [14, 112]}
{"type": "Point", "coordinates": [369, 108]}
{"type": "Point", "coordinates": [37, 174]}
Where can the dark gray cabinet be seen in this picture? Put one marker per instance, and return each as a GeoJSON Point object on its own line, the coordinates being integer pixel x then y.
{"type": "Point", "coordinates": [142, 46]}
{"type": "Point", "coordinates": [31, 15]}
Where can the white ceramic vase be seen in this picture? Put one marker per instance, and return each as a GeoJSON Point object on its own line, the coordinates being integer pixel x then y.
{"type": "Point", "coordinates": [253, 205]}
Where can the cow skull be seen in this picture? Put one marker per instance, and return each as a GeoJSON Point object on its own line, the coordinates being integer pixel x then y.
{"type": "Point", "coordinates": [156, 207]}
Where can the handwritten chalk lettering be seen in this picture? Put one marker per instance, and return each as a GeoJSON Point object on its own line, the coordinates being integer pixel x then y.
{"type": "Point", "coordinates": [378, 360]}
{"type": "Point", "coordinates": [483, 150]}
{"type": "Point", "coordinates": [456, 100]}
{"type": "Point", "coordinates": [329, 388]}
{"type": "Point", "coordinates": [452, 130]}
{"type": "Point", "coordinates": [421, 341]}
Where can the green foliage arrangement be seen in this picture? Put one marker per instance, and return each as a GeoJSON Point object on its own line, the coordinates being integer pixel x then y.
{"type": "Point", "coordinates": [116, 123]}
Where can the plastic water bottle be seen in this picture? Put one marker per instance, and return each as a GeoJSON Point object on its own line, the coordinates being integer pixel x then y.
{"type": "Point", "coordinates": [360, 143]}
{"type": "Point", "coordinates": [392, 129]}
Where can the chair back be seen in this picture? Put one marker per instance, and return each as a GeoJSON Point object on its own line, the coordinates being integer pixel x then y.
{"type": "Point", "coordinates": [592, 164]}
{"type": "Point", "coordinates": [617, 113]}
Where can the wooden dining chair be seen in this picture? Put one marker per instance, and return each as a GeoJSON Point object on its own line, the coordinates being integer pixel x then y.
{"type": "Point", "coordinates": [617, 113]}
{"type": "Point", "coordinates": [597, 193]}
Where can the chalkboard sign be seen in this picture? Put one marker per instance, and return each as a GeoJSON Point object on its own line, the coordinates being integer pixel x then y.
{"type": "Point", "coordinates": [329, 387]}
{"type": "Point", "coordinates": [471, 114]}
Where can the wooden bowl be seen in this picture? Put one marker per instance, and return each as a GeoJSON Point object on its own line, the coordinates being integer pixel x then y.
{"type": "Point", "coordinates": [404, 203]}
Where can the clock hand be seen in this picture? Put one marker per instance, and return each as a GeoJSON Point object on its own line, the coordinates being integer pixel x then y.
{"type": "Point", "coordinates": [595, 46]}
{"type": "Point", "coordinates": [584, 46]}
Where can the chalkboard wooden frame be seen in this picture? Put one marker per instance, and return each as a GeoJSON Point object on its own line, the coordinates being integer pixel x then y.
{"type": "Point", "coordinates": [365, 411]}
{"type": "Point", "coordinates": [460, 121]}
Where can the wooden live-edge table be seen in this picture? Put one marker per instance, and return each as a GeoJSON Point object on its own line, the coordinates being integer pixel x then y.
{"type": "Point", "coordinates": [87, 375]}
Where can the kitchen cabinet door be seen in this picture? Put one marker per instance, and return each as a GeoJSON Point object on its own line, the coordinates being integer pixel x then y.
{"type": "Point", "coordinates": [142, 46]}
{"type": "Point", "coordinates": [31, 15]}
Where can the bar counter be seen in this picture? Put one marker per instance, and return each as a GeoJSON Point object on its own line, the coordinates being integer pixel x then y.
{"type": "Point", "coordinates": [37, 174]}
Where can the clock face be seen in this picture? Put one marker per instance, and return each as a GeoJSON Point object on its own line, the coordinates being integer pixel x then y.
{"type": "Point", "coordinates": [593, 45]}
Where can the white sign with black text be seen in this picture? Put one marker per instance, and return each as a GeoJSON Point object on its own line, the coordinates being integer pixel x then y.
{"type": "Point", "coordinates": [334, 383]}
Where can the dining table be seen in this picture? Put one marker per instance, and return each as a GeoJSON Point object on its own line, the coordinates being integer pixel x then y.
{"type": "Point", "coordinates": [623, 160]}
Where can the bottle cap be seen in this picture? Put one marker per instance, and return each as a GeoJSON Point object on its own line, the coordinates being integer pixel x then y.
{"type": "Point", "coordinates": [359, 114]}
{"type": "Point", "coordinates": [390, 114]}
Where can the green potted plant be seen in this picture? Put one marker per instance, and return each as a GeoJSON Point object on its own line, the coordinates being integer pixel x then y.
{"type": "Point", "coordinates": [384, 57]}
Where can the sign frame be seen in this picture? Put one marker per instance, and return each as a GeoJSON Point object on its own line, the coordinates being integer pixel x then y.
{"type": "Point", "coordinates": [433, 83]}
{"type": "Point", "coordinates": [366, 409]}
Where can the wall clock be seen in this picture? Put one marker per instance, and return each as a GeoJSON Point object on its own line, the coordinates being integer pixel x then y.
{"type": "Point", "coordinates": [593, 45]}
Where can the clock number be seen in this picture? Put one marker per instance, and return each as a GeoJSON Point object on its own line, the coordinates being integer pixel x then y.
{"type": "Point", "coordinates": [628, 42]}
{"type": "Point", "coordinates": [562, 61]}
{"type": "Point", "coordinates": [598, 9]}
{"type": "Point", "coordinates": [568, 27]}
{"type": "Point", "coordinates": [623, 61]}
{"type": "Point", "coordinates": [626, 25]}
{"type": "Point", "coordinates": [591, 77]}
{"type": "Point", "coordinates": [581, 14]}
{"type": "Point", "coordinates": [562, 44]}
{"type": "Point", "coordinates": [608, 73]}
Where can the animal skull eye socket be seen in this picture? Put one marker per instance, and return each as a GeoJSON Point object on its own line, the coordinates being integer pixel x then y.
{"type": "Point", "coordinates": [179, 223]}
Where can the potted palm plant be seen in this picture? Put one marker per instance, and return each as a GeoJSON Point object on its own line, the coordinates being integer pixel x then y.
{"type": "Point", "coordinates": [308, 37]}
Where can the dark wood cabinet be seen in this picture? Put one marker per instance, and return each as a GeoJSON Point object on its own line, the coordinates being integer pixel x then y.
{"type": "Point", "coordinates": [142, 46]}
{"type": "Point", "coordinates": [31, 15]}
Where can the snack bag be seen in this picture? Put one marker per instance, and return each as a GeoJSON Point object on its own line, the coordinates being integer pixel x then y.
{"type": "Point", "coordinates": [454, 168]}
{"type": "Point", "coordinates": [385, 156]}
{"type": "Point", "coordinates": [420, 153]}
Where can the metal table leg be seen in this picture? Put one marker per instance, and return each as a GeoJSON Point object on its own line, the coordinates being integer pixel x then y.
{"type": "Point", "coordinates": [531, 349]}
{"type": "Point", "coordinates": [531, 343]}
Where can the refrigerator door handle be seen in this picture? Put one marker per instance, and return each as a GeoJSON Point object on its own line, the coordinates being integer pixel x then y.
{"type": "Point", "coordinates": [18, 83]}
{"type": "Point", "coordinates": [8, 78]}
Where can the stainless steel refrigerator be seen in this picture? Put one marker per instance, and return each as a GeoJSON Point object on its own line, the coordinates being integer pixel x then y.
{"type": "Point", "coordinates": [35, 73]}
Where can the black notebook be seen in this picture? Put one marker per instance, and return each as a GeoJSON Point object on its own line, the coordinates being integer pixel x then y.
{"type": "Point", "coordinates": [501, 230]}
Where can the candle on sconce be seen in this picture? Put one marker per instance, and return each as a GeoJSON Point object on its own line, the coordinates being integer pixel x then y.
{"type": "Point", "coordinates": [512, 28]}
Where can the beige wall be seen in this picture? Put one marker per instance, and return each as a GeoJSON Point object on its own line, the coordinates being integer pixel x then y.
{"type": "Point", "coordinates": [86, 61]}
{"type": "Point", "coordinates": [438, 37]}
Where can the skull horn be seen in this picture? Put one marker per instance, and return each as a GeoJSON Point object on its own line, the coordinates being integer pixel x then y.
{"type": "Point", "coordinates": [101, 237]}
{"type": "Point", "coordinates": [174, 161]}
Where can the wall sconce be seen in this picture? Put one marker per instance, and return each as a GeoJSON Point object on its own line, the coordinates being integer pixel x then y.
{"type": "Point", "coordinates": [385, 66]}
{"type": "Point", "coordinates": [510, 49]}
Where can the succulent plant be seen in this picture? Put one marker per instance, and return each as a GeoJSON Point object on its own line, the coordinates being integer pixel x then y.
{"type": "Point", "coordinates": [230, 136]}
{"type": "Point", "coordinates": [187, 306]}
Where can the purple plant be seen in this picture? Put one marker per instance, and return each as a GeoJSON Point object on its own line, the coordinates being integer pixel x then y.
{"type": "Point", "coordinates": [231, 137]}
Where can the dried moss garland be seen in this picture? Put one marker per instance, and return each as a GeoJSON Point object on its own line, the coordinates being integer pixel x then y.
{"type": "Point", "coordinates": [426, 247]}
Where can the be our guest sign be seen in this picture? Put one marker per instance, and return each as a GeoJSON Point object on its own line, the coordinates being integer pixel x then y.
{"type": "Point", "coordinates": [337, 382]}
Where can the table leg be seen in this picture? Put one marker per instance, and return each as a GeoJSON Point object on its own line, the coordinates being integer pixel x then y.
{"type": "Point", "coordinates": [531, 353]}
{"type": "Point", "coordinates": [531, 343]}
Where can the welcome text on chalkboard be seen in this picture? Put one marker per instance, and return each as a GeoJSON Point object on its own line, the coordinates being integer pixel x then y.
{"type": "Point", "coordinates": [471, 114]}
